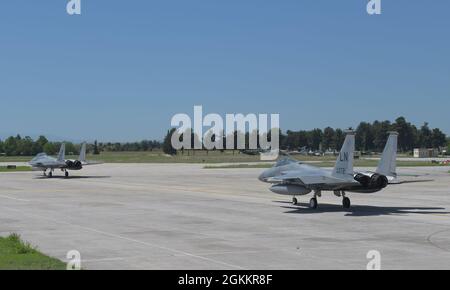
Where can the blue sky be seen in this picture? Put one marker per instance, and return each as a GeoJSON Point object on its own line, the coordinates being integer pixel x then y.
{"type": "Point", "coordinates": [121, 70]}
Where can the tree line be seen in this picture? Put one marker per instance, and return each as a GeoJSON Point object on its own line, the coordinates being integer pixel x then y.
{"type": "Point", "coordinates": [26, 146]}
{"type": "Point", "coordinates": [18, 146]}
{"type": "Point", "coordinates": [370, 137]}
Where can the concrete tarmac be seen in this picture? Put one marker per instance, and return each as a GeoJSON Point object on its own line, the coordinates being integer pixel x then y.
{"type": "Point", "coordinates": [181, 216]}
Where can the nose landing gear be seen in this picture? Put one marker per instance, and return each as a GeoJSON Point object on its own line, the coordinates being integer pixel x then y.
{"type": "Point", "coordinates": [313, 203]}
{"type": "Point", "coordinates": [345, 201]}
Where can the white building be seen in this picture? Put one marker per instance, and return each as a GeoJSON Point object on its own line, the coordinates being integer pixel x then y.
{"type": "Point", "coordinates": [425, 153]}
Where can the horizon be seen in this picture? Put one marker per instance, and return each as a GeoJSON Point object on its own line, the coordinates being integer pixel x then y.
{"type": "Point", "coordinates": [52, 138]}
{"type": "Point", "coordinates": [121, 71]}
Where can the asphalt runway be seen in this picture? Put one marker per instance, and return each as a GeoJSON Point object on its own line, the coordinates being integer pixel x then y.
{"type": "Point", "coordinates": [169, 216]}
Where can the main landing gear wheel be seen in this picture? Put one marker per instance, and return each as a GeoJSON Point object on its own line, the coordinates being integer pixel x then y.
{"type": "Point", "coordinates": [294, 201]}
{"type": "Point", "coordinates": [313, 203]}
{"type": "Point", "coordinates": [346, 202]}
{"type": "Point", "coordinates": [50, 174]}
{"type": "Point", "coordinates": [66, 174]}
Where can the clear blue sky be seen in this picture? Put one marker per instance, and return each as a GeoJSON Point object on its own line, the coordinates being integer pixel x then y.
{"type": "Point", "coordinates": [123, 68]}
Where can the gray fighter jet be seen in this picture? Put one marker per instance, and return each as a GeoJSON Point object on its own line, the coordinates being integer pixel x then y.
{"type": "Point", "coordinates": [43, 162]}
{"type": "Point", "coordinates": [290, 177]}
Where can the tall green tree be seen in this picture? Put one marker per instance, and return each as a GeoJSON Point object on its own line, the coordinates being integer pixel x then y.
{"type": "Point", "coordinates": [364, 137]}
{"type": "Point", "coordinates": [438, 138]}
{"type": "Point", "coordinates": [41, 141]}
{"type": "Point", "coordinates": [328, 138]}
{"type": "Point", "coordinates": [339, 137]}
{"type": "Point", "coordinates": [405, 134]}
{"type": "Point", "coordinates": [96, 150]}
{"type": "Point", "coordinates": [380, 134]}
{"type": "Point", "coordinates": [425, 139]}
{"type": "Point", "coordinates": [10, 146]}
{"type": "Point", "coordinates": [167, 144]}
{"type": "Point", "coordinates": [315, 139]}
{"type": "Point", "coordinates": [71, 148]}
{"type": "Point", "coordinates": [292, 140]}
{"type": "Point", "coordinates": [24, 146]}
{"type": "Point", "coordinates": [50, 148]}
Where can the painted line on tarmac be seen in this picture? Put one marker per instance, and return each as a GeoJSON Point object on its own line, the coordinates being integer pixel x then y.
{"type": "Point", "coordinates": [104, 259]}
{"type": "Point", "coordinates": [13, 198]}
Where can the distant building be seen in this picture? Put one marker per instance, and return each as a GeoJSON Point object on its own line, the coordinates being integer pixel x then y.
{"type": "Point", "coordinates": [330, 152]}
{"type": "Point", "coordinates": [426, 153]}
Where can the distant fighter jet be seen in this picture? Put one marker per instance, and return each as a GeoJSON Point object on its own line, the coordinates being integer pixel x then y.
{"type": "Point", "coordinates": [290, 177]}
{"type": "Point", "coordinates": [43, 162]}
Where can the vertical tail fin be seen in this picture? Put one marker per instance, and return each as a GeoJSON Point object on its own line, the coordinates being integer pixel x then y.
{"type": "Point", "coordinates": [388, 161]}
{"type": "Point", "coordinates": [82, 157]}
{"type": "Point", "coordinates": [344, 163]}
{"type": "Point", "coordinates": [62, 152]}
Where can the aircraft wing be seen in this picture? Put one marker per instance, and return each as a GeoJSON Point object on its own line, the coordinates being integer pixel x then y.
{"type": "Point", "coordinates": [87, 163]}
{"type": "Point", "coordinates": [301, 177]}
{"type": "Point", "coordinates": [397, 182]}
{"type": "Point", "coordinates": [292, 177]}
{"type": "Point", "coordinates": [412, 175]}
{"type": "Point", "coordinates": [310, 180]}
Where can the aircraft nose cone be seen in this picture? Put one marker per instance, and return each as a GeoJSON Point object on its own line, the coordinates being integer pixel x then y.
{"type": "Point", "coordinates": [262, 177]}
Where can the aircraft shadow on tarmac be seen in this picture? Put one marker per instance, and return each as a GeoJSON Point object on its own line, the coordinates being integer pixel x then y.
{"type": "Point", "coordinates": [71, 177]}
{"type": "Point", "coordinates": [362, 210]}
